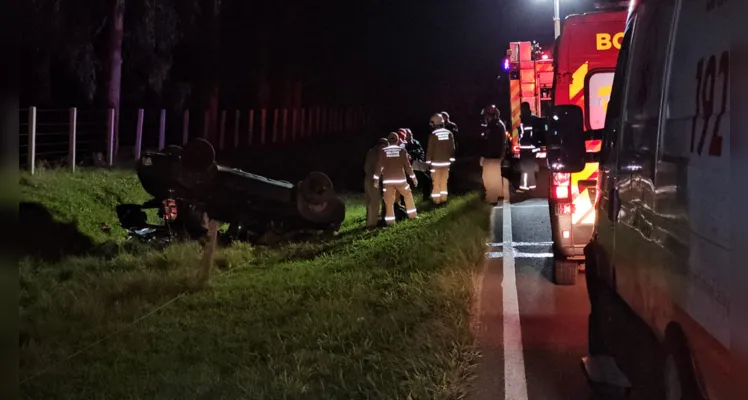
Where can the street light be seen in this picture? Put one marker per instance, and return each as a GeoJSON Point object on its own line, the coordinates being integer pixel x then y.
{"type": "Point", "coordinates": [556, 18]}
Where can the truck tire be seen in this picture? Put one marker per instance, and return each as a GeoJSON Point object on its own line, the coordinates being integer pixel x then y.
{"type": "Point", "coordinates": [565, 272]}
{"type": "Point", "coordinates": [679, 376]}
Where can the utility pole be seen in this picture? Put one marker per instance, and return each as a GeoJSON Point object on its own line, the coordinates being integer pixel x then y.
{"type": "Point", "coordinates": [556, 18]}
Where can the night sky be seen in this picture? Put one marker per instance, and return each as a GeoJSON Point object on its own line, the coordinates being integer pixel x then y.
{"type": "Point", "coordinates": [407, 57]}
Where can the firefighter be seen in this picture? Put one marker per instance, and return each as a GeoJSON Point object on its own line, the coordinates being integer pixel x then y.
{"type": "Point", "coordinates": [418, 158]}
{"type": "Point", "coordinates": [528, 165]}
{"type": "Point", "coordinates": [394, 169]}
{"type": "Point", "coordinates": [493, 148]}
{"type": "Point", "coordinates": [439, 155]}
{"type": "Point", "coordinates": [450, 126]}
{"type": "Point", "coordinates": [489, 114]}
{"type": "Point", "coordinates": [371, 186]}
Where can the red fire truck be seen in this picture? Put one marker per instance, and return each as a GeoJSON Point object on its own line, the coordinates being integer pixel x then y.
{"type": "Point", "coordinates": [584, 64]}
{"type": "Point", "coordinates": [530, 80]}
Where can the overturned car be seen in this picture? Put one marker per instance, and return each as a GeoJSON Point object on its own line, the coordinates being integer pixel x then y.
{"type": "Point", "coordinates": [189, 188]}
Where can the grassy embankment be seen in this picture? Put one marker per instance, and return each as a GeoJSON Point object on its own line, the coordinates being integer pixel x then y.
{"type": "Point", "coordinates": [380, 314]}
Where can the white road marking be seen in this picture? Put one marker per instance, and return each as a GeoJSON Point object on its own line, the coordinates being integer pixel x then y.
{"type": "Point", "coordinates": [524, 206]}
{"type": "Point", "coordinates": [515, 382]}
{"type": "Point", "coordinates": [518, 254]}
{"type": "Point", "coordinates": [514, 244]}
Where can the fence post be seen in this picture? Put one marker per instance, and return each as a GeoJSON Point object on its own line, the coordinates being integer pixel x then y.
{"type": "Point", "coordinates": [223, 130]}
{"type": "Point", "coordinates": [285, 124]}
{"type": "Point", "coordinates": [206, 124]}
{"type": "Point", "coordinates": [237, 115]}
{"type": "Point", "coordinates": [275, 126]}
{"type": "Point", "coordinates": [71, 137]}
{"type": "Point", "coordinates": [162, 131]}
{"type": "Point", "coordinates": [31, 160]}
{"type": "Point", "coordinates": [139, 134]}
{"type": "Point", "coordinates": [317, 125]}
{"type": "Point", "coordinates": [251, 126]}
{"type": "Point", "coordinates": [294, 115]}
{"type": "Point", "coordinates": [110, 139]}
{"type": "Point", "coordinates": [263, 114]}
{"type": "Point", "coordinates": [303, 122]}
{"type": "Point", "coordinates": [186, 127]}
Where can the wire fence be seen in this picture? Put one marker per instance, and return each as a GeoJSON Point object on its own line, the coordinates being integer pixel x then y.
{"type": "Point", "coordinates": [100, 137]}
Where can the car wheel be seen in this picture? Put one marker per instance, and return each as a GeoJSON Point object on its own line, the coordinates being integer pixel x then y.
{"type": "Point", "coordinates": [679, 376]}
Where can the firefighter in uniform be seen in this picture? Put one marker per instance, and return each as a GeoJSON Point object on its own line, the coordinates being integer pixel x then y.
{"type": "Point", "coordinates": [394, 168]}
{"type": "Point", "coordinates": [371, 186]}
{"type": "Point", "coordinates": [493, 149]}
{"type": "Point", "coordinates": [439, 156]}
{"type": "Point", "coordinates": [528, 164]}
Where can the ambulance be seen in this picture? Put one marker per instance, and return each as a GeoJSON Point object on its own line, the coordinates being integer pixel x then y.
{"type": "Point", "coordinates": [661, 267]}
{"type": "Point", "coordinates": [584, 65]}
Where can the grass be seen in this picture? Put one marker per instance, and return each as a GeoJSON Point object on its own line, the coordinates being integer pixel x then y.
{"type": "Point", "coordinates": [380, 314]}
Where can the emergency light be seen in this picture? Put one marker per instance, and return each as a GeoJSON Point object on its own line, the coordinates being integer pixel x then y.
{"type": "Point", "coordinates": [506, 64]}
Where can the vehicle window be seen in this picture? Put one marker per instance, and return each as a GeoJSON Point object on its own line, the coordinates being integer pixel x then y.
{"type": "Point", "coordinates": [644, 93]}
{"type": "Point", "coordinates": [598, 88]}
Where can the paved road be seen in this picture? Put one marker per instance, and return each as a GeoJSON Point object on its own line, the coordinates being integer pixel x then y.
{"type": "Point", "coordinates": [532, 332]}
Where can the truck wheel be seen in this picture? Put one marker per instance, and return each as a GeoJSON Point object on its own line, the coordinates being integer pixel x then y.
{"type": "Point", "coordinates": [565, 272]}
{"type": "Point", "coordinates": [679, 377]}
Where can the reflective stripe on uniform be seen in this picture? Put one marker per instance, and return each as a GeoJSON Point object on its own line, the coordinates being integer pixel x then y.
{"type": "Point", "coordinates": [435, 195]}
{"type": "Point", "coordinates": [452, 160]}
{"type": "Point", "coordinates": [389, 181]}
{"type": "Point", "coordinates": [441, 164]}
{"type": "Point", "coordinates": [442, 134]}
{"type": "Point", "coordinates": [376, 177]}
{"type": "Point", "coordinates": [406, 187]}
{"type": "Point", "coordinates": [389, 218]}
{"type": "Point", "coordinates": [411, 211]}
{"type": "Point", "coordinates": [444, 192]}
{"type": "Point", "coordinates": [413, 176]}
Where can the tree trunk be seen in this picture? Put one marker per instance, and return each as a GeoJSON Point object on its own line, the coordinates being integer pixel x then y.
{"type": "Point", "coordinates": [115, 62]}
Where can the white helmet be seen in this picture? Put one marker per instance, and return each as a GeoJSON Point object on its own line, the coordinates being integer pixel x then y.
{"type": "Point", "coordinates": [437, 121]}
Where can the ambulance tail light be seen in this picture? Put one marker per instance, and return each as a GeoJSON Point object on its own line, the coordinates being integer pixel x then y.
{"type": "Point", "coordinates": [560, 186]}
{"type": "Point", "coordinates": [593, 146]}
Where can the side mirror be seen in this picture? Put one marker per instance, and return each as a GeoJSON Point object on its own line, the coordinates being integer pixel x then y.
{"type": "Point", "coordinates": [566, 139]}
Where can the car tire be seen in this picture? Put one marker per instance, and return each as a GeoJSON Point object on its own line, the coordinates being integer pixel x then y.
{"type": "Point", "coordinates": [565, 272]}
{"type": "Point", "coordinates": [679, 376]}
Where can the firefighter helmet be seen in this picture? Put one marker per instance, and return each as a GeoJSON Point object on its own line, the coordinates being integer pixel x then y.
{"type": "Point", "coordinates": [393, 138]}
{"type": "Point", "coordinates": [437, 121]}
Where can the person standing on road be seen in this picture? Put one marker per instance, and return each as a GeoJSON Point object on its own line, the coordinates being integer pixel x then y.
{"type": "Point", "coordinates": [371, 185]}
{"type": "Point", "coordinates": [394, 168]}
{"type": "Point", "coordinates": [493, 148]}
{"type": "Point", "coordinates": [440, 155]}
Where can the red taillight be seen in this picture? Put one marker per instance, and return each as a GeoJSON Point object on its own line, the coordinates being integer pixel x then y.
{"type": "Point", "coordinates": [515, 149]}
{"type": "Point", "coordinates": [170, 209]}
{"type": "Point", "coordinates": [593, 146]}
{"type": "Point", "coordinates": [560, 187]}
{"type": "Point", "coordinates": [561, 192]}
